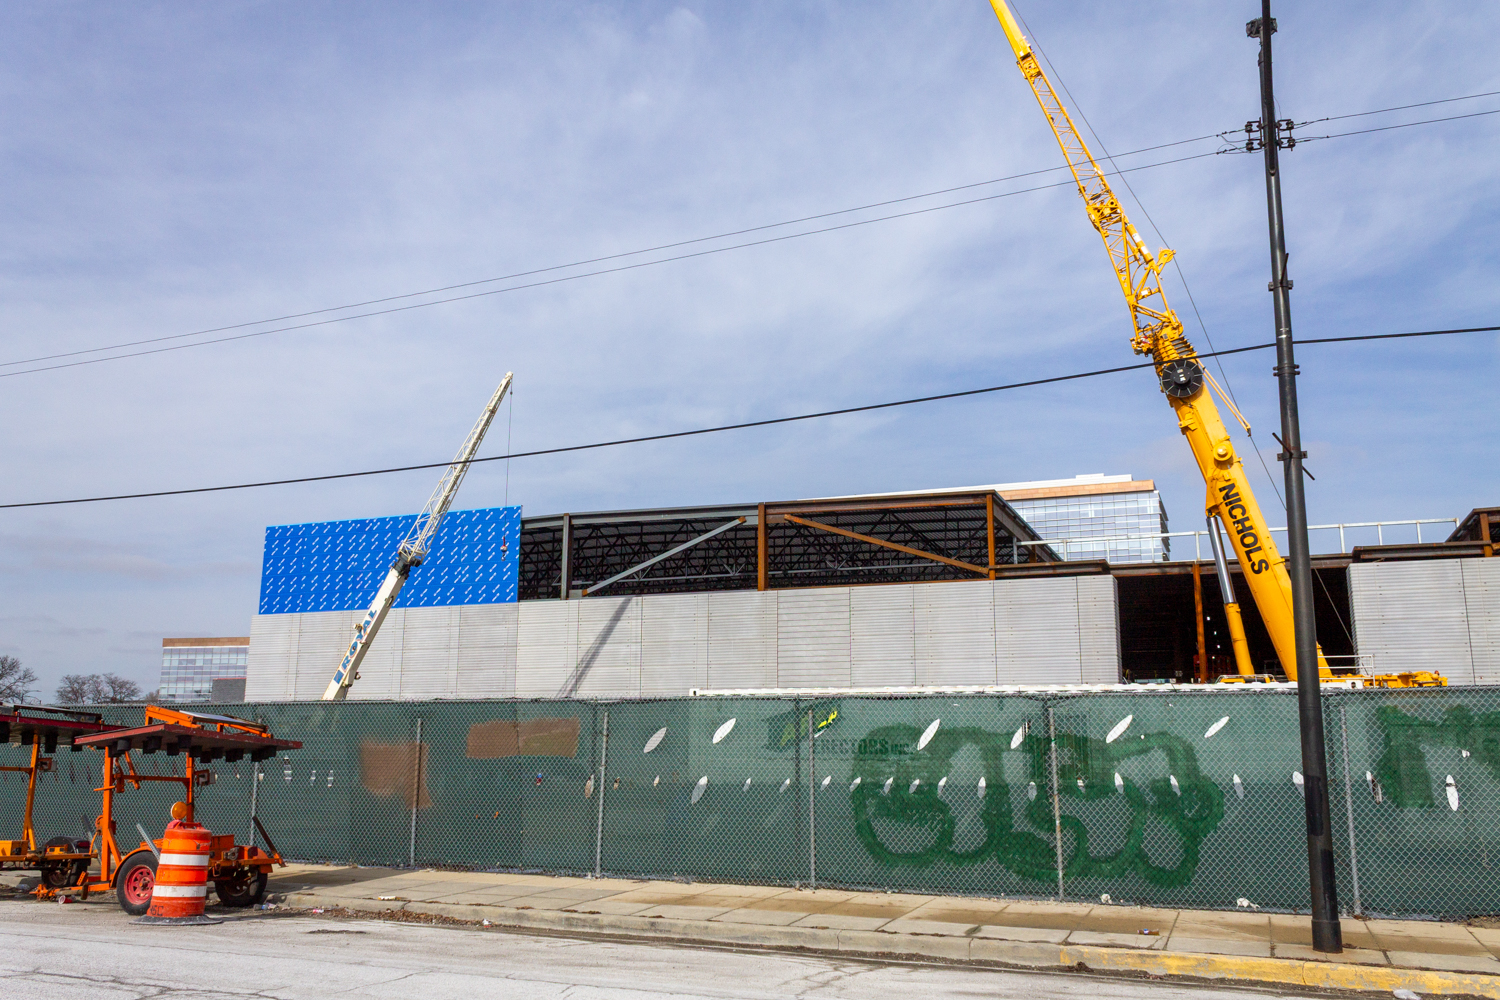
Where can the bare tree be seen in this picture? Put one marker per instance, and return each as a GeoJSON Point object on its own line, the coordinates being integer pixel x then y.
{"type": "Point", "coordinates": [97, 689]}
{"type": "Point", "coordinates": [79, 689]}
{"type": "Point", "coordinates": [16, 681]}
{"type": "Point", "coordinates": [117, 689]}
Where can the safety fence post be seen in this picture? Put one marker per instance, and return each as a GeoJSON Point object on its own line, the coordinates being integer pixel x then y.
{"type": "Point", "coordinates": [254, 789]}
{"type": "Point", "coordinates": [1056, 805]}
{"type": "Point", "coordinates": [416, 794]}
{"type": "Point", "coordinates": [599, 827]}
{"type": "Point", "coordinates": [812, 827]}
{"type": "Point", "coordinates": [1359, 908]}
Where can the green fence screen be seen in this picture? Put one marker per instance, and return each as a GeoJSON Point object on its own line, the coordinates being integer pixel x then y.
{"type": "Point", "coordinates": [1162, 796]}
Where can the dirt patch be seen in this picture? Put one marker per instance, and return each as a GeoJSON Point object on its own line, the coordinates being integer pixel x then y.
{"type": "Point", "coordinates": [394, 916]}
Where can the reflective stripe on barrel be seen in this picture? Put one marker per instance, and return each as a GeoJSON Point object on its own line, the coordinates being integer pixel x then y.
{"type": "Point", "coordinates": [184, 860]}
{"type": "Point", "coordinates": [181, 871]}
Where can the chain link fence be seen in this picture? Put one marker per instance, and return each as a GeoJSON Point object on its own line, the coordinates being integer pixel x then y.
{"type": "Point", "coordinates": [1170, 797]}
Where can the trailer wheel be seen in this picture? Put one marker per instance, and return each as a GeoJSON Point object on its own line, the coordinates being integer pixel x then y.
{"type": "Point", "coordinates": [248, 889]}
{"type": "Point", "coordinates": [55, 874]}
{"type": "Point", "coordinates": [134, 882]}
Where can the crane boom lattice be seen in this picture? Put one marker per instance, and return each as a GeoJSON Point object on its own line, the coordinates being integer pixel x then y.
{"type": "Point", "coordinates": [413, 549]}
{"type": "Point", "coordinates": [1157, 332]}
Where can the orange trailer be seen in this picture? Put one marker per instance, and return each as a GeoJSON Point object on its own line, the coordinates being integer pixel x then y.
{"type": "Point", "coordinates": [238, 871]}
{"type": "Point", "coordinates": [60, 860]}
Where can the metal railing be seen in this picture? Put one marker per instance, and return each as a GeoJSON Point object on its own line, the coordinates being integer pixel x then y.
{"type": "Point", "coordinates": [1103, 541]}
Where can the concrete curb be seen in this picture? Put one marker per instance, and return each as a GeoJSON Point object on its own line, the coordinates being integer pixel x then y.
{"type": "Point", "coordinates": [954, 948]}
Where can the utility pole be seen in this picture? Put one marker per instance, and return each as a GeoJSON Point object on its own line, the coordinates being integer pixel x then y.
{"type": "Point", "coordinates": [1326, 933]}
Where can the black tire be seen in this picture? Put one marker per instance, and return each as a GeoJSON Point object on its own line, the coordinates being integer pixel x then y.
{"type": "Point", "coordinates": [133, 885]}
{"type": "Point", "coordinates": [58, 875]}
{"type": "Point", "coordinates": [247, 891]}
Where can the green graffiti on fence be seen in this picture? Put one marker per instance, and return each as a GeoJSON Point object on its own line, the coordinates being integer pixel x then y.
{"type": "Point", "coordinates": [898, 797]}
{"type": "Point", "coordinates": [1402, 768]}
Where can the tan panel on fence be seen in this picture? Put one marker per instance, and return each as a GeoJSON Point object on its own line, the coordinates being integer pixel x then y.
{"type": "Point", "coordinates": [387, 769]}
{"type": "Point", "coordinates": [533, 738]}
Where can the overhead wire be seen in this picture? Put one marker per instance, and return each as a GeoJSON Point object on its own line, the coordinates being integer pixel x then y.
{"type": "Point", "coordinates": [587, 274]}
{"type": "Point", "coordinates": [701, 239]}
{"type": "Point", "coordinates": [1387, 128]}
{"type": "Point", "coordinates": [1399, 107]}
{"type": "Point", "coordinates": [768, 422]}
{"type": "Point", "coordinates": [584, 263]}
{"type": "Point", "coordinates": [1162, 240]}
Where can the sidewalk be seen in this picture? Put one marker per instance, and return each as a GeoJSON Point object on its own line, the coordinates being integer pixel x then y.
{"type": "Point", "coordinates": [1426, 957]}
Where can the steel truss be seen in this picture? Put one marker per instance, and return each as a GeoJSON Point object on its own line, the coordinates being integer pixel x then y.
{"type": "Point", "coordinates": [848, 540]}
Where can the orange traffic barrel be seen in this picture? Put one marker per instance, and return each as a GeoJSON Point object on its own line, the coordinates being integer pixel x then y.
{"type": "Point", "coordinates": [181, 888]}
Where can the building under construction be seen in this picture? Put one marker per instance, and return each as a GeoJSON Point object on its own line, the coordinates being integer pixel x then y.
{"type": "Point", "coordinates": [939, 588]}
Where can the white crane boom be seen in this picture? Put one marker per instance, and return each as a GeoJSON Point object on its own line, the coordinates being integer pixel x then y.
{"type": "Point", "coordinates": [412, 550]}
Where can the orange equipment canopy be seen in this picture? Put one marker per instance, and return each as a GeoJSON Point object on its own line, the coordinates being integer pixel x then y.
{"type": "Point", "coordinates": [203, 737]}
{"type": "Point", "coordinates": [52, 726]}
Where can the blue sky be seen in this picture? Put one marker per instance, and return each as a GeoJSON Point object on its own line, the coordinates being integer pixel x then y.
{"type": "Point", "coordinates": [175, 167]}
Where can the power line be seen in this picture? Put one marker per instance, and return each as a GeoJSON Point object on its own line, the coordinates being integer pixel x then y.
{"type": "Point", "coordinates": [665, 246]}
{"type": "Point", "coordinates": [1162, 241]}
{"type": "Point", "coordinates": [1399, 107]}
{"type": "Point", "coordinates": [579, 263]}
{"type": "Point", "coordinates": [1387, 128]}
{"type": "Point", "coordinates": [589, 274]}
{"type": "Point", "coordinates": [729, 427]}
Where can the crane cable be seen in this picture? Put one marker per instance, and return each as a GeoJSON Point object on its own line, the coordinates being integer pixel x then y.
{"type": "Point", "coordinates": [1227, 394]}
{"type": "Point", "coordinates": [730, 427]}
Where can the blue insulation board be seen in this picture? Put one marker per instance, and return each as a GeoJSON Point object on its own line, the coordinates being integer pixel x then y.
{"type": "Point", "coordinates": [337, 565]}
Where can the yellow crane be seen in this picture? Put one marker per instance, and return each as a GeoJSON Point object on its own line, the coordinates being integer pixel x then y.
{"type": "Point", "coordinates": [1158, 334]}
{"type": "Point", "coordinates": [1184, 380]}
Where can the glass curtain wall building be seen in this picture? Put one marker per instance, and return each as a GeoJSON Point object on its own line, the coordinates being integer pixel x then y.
{"type": "Point", "coordinates": [1091, 507]}
{"type": "Point", "coordinates": [190, 666]}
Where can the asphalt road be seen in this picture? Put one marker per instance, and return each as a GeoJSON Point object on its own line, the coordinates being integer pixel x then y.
{"type": "Point", "coordinates": [93, 951]}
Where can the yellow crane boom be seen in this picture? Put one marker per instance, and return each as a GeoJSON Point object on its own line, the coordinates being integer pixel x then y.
{"type": "Point", "coordinates": [1184, 380]}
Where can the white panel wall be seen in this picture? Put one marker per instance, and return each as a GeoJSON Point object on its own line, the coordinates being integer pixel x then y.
{"type": "Point", "coordinates": [674, 644]}
{"type": "Point", "coordinates": [1036, 629]}
{"type": "Point", "coordinates": [429, 653]}
{"type": "Point", "coordinates": [546, 647]}
{"type": "Point", "coordinates": [1046, 630]}
{"type": "Point", "coordinates": [322, 639]}
{"type": "Point", "coordinates": [486, 661]}
{"type": "Point", "coordinates": [812, 637]}
{"type": "Point", "coordinates": [271, 666]}
{"type": "Point", "coordinates": [1482, 600]}
{"type": "Point", "coordinates": [1413, 616]}
{"type": "Point", "coordinates": [742, 639]}
{"type": "Point", "coordinates": [608, 663]}
{"type": "Point", "coordinates": [883, 636]}
{"type": "Point", "coordinates": [1098, 629]}
{"type": "Point", "coordinates": [955, 633]}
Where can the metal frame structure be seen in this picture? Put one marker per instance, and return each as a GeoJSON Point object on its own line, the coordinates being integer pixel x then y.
{"type": "Point", "coordinates": [238, 871]}
{"type": "Point", "coordinates": [44, 729]}
{"type": "Point", "coordinates": [1479, 526]}
{"type": "Point", "coordinates": [837, 541]}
